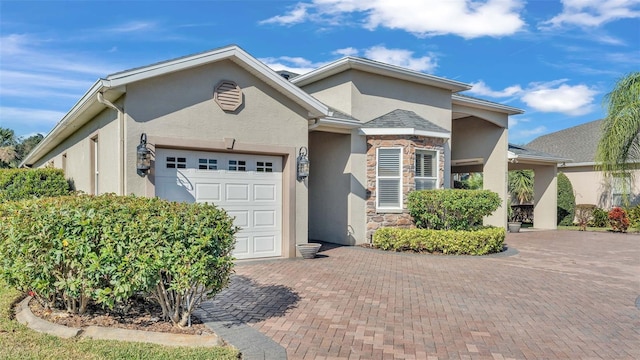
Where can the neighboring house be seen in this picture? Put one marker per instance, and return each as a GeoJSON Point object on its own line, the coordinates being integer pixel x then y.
{"type": "Point", "coordinates": [222, 127]}
{"type": "Point", "coordinates": [579, 143]}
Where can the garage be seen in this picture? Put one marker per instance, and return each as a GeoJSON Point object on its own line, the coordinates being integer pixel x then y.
{"type": "Point", "coordinates": [247, 186]}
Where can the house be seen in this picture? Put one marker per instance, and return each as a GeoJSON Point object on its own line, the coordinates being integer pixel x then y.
{"type": "Point", "coordinates": [579, 143]}
{"type": "Point", "coordinates": [222, 127]}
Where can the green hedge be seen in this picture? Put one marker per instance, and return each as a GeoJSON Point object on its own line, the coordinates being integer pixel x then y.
{"type": "Point", "coordinates": [19, 184]}
{"type": "Point", "coordinates": [74, 250]}
{"type": "Point", "coordinates": [451, 209]}
{"type": "Point", "coordinates": [478, 242]}
{"type": "Point", "coordinates": [566, 201]}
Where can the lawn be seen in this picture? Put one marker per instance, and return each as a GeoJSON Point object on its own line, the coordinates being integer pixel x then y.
{"type": "Point", "coordinates": [19, 342]}
{"type": "Point", "coordinates": [600, 229]}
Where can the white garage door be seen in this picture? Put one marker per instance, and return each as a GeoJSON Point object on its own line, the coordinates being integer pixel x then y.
{"type": "Point", "coordinates": [248, 187]}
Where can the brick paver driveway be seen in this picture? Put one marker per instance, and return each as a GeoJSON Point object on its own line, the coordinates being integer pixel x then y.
{"type": "Point", "coordinates": [563, 295]}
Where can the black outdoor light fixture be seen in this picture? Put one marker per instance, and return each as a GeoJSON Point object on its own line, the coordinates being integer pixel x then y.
{"type": "Point", "coordinates": [143, 160]}
{"type": "Point", "coordinates": [303, 163]}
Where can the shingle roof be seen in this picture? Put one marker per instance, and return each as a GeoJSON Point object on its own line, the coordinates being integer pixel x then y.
{"type": "Point", "coordinates": [340, 115]}
{"type": "Point", "coordinates": [578, 143]}
{"type": "Point", "coordinates": [404, 119]}
{"type": "Point", "coordinates": [526, 152]}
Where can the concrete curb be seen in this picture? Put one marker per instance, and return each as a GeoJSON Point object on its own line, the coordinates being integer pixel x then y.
{"type": "Point", "coordinates": [26, 317]}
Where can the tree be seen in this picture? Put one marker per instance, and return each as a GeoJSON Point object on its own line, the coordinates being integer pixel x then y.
{"type": "Point", "coordinates": [619, 142]}
{"type": "Point", "coordinates": [566, 201]}
{"type": "Point", "coordinates": [521, 185]}
{"type": "Point", "coordinates": [26, 145]}
{"type": "Point", "coordinates": [8, 143]}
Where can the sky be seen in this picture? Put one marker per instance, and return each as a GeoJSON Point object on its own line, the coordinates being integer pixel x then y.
{"type": "Point", "coordinates": [554, 59]}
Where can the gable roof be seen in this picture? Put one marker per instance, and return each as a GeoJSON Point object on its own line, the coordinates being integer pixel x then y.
{"type": "Point", "coordinates": [403, 122]}
{"type": "Point", "coordinates": [578, 142]}
{"type": "Point", "coordinates": [378, 68]}
{"type": "Point", "coordinates": [114, 85]}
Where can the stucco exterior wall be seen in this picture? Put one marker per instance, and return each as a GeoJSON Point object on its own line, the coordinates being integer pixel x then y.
{"type": "Point", "coordinates": [329, 187]}
{"type": "Point", "coordinates": [180, 106]}
{"type": "Point", "coordinates": [377, 219]}
{"type": "Point", "coordinates": [590, 187]}
{"type": "Point", "coordinates": [475, 138]}
{"type": "Point", "coordinates": [335, 91]}
{"type": "Point", "coordinates": [78, 151]}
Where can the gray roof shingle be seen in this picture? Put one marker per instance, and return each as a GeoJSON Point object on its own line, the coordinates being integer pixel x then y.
{"type": "Point", "coordinates": [532, 153]}
{"type": "Point", "coordinates": [578, 143]}
{"type": "Point", "coordinates": [404, 119]}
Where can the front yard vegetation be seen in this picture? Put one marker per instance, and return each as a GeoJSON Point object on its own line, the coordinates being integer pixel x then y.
{"type": "Point", "coordinates": [448, 221]}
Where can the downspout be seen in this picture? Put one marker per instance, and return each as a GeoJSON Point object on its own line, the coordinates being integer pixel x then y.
{"type": "Point", "coordinates": [316, 123]}
{"type": "Point", "coordinates": [120, 112]}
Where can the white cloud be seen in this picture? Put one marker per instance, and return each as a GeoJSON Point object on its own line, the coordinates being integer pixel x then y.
{"type": "Point", "coordinates": [521, 136]}
{"type": "Point", "coordinates": [465, 18]}
{"type": "Point", "coordinates": [566, 99]}
{"type": "Point", "coordinates": [132, 27]}
{"type": "Point", "coordinates": [593, 13]}
{"type": "Point", "coordinates": [297, 15]}
{"type": "Point", "coordinates": [480, 88]}
{"type": "Point", "coordinates": [401, 57]}
{"type": "Point", "coordinates": [296, 65]}
{"type": "Point", "coordinates": [349, 51]}
{"type": "Point", "coordinates": [14, 117]}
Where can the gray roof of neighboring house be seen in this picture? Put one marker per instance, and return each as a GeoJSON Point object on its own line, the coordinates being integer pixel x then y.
{"type": "Point", "coordinates": [404, 119]}
{"type": "Point", "coordinates": [532, 154]}
{"type": "Point", "coordinates": [578, 143]}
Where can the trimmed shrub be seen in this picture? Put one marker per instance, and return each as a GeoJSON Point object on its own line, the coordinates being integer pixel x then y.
{"type": "Point", "coordinates": [618, 219]}
{"type": "Point", "coordinates": [634, 216]}
{"type": "Point", "coordinates": [451, 209]}
{"type": "Point", "coordinates": [459, 242]}
{"type": "Point", "coordinates": [20, 184]}
{"type": "Point", "coordinates": [566, 201]}
{"type": "Point", "coordinates": [75, 249]}
{"type": "Point", "coordinates": [600, 218]}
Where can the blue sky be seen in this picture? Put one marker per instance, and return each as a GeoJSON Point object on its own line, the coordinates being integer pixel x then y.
{"type": "Point", "coordinates": [555, 59]}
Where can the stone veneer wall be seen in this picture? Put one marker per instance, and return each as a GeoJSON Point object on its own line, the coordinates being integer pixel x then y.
{"type": "Point", "coordinates": [408, 143]}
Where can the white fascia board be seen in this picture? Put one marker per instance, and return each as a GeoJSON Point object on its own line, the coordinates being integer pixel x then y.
{"type": "Point", "coordinates": [487, 105]}
{"type": "Point", "coordinates": [351, 124]}
{"type": "Point", "coordinates": [379, 68]}
{"type": "Point", "coordinates": [240, 57]}
{"type": "Point", "coordinates": [52, 139]}
{"type": "Point", "coordinates": [403, 131]}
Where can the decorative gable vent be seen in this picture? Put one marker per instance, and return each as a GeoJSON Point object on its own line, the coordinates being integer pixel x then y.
{"type": "Point", "coordinates": [228, 95]}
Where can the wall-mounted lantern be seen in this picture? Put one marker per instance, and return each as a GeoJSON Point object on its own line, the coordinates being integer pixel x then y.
{"type": "Point", "coordinates": [143, 159]}
{"type": "Point", "coordinates": [303, 163]}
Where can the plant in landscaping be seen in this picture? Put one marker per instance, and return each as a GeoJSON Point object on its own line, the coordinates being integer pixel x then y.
{"type": "Point", "coordinates": [618, 219]}
{"type": "Point", "coordinates": [521, 185]}
{"type": "Point", "coordinates": [634, 216]}
{"type": "Point", "coordinates": [19, 184]}
{"type": "Point", "coordinates": [566, 201]}
{"type": "Point", "coordinates": [584, 214]}
{"type": "Point", "coordinates": [76, 249]}
{"type": "Point", "coordinates": [599, 218]}
{"type": "Point", "coordinates": [460, 242]}
{"type": "Point", "coordinates": [451, 209]}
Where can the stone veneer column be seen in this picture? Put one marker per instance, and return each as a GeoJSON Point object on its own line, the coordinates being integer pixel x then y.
{"type": "Point", "coordinates": [409, 144]}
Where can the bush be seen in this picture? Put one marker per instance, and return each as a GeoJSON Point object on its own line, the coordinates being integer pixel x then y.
{"type": "Point", "coordinates": [584, 214]}
{"type": "Point", "coordinates": [478, 242]}
{"type": "Point", "coordinates": [19, 184]}
{"type": "Point", "coordinates": [566, 201]}
{"type": "Point", "coordinates": [634, 216]}
{"type": "Point", "coordinates": [618, 219]}
{"type": "Point", "coordinates": [600, 218]}
{"type": "Point", "coordinates": [75, 249]}
{"type": "Point", "coordinates": [451, 209]}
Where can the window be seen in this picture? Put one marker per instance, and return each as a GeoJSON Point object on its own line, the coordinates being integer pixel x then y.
{"type": "Point", "coordinates": [176, 162]}
{"type": "Point", "coordinates": [389, 178]}
{"type": "Point", "coordinates": [237, 165]}
{"type": "Point", "coordinates": [207, 164]}
{"type": "Point", "coordinates": [426, 176]}
{"type": "Point", "coordinates": [262, 166]}
{"type": "Point", "coordinates": [620, 185]}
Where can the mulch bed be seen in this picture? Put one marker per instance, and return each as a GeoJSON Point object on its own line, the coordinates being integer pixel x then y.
{"type": "Point", "coordinates": [142, 315]}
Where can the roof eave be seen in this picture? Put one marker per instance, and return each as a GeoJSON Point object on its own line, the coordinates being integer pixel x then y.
{"type": "Point", "coordinates": [378, 68]}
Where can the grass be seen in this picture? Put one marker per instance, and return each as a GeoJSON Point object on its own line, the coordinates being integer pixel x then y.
{"type": "Point", "coordinates": [19, 342]}
{"type": "Point", "coordinates": [598, 229]}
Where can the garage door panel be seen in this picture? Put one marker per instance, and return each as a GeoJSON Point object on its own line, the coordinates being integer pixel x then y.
{"type": "Point", "coordinates": [248, 187]}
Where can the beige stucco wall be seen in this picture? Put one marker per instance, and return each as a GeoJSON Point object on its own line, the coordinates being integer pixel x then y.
{"type": "Point", "coordinates": [545, 194]}
{"type": "Point", "coordinates": [78, 150]}
{"type": "Point", "coordinates": [180, 106]}
{"type": "Point", "coordinates": [590, 187]}
{"type": "Point", "coordinates": [475, 138]}
{"type": "Point", "coordinates": [329, 187]}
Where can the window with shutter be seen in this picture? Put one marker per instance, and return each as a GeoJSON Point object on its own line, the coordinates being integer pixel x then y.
{"type": "Point", "coordinates": [426, 170]}
{"type": "Point", "coordinates": [389, 178]}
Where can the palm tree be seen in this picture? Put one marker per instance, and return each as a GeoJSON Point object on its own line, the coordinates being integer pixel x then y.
{"type": "Point", "coordinates": [619, 142]}
{"type": "Point", "coordinates": [521, 185]}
